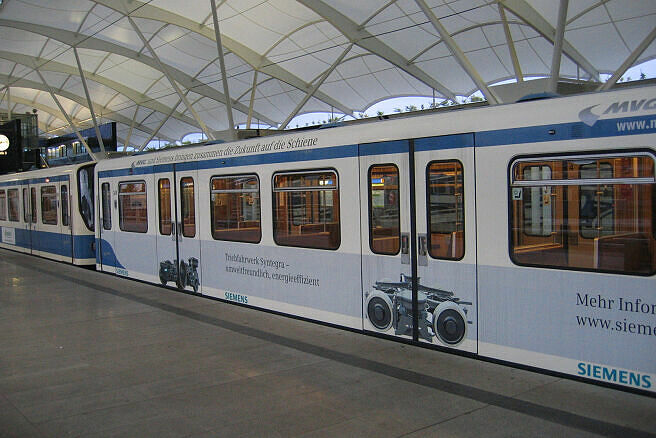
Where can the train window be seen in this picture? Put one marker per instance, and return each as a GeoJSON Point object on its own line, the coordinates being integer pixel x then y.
{"type": "Point", "coordinates": [596, 203]}
{"type": "Point", "coordinates": [64, 203]}
{"type": "Point", "coordinates": [33, 205]}
{"type": "Point", "coordinates": [235, 208]}
{"type": "Point", "coordinates": [106, 195]}
{"type": "Point", "coordinates": [85, 196]}
{"type": "Point", "coordinates": [538, 208]}
{"type": "Point", "coordinates": [306, 209]}
{"type": "Point", "coordinates": [601, 213]}
{"type": "Point", "coordinates": [188, 207]}
{"type": "Point", "coordinates": [3, 205]}
{"type": "Point", "coordinates": [164, 197]}
{"type": "Point", "coordinates": [446, 211]}
{"type": "Point", "coordinates": [132, 207]}
{"type": "Point", "coordinates": [26, 206]}
{"type": "Point", "coordinates": [49, 205]}
{"type": "Point", "coordinates": [384, 218]}
{"type": "Point", "coordinates": [13, 205]}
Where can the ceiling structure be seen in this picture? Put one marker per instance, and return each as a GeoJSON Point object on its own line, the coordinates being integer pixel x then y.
{"type": "Point", "coordinates": [165, 68]}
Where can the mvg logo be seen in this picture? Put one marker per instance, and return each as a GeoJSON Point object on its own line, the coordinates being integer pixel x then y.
{"type": "Point", "coordinates": [588, 117]}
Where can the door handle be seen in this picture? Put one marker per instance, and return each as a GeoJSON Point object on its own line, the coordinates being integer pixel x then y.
{"type": "Point", "coordinates": [405, 248]}
{"type": "Point", "coordinates": [422, 250]}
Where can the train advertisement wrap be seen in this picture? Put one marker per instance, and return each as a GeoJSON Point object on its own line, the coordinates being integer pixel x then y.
{"type": "Point", "coordinates": [522, 233]}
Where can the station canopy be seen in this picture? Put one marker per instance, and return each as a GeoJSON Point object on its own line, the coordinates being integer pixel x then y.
{"type": "Point", "coordinates": [155, 67]}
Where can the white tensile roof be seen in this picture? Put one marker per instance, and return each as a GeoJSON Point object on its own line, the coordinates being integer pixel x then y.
{"type": "Point", "coordinates": [154, 66]}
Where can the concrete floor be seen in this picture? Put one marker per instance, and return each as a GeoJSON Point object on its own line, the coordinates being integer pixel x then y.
{"type": "Point", "coordinates": [91, 355]}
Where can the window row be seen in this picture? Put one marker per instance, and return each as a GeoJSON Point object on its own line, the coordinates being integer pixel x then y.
{"type": "Point", "coordinates": [50, 212]}
{"type": "Point", "coordinates": [306, 211]}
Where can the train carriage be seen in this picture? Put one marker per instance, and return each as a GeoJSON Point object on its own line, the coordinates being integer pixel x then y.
{"type": "Point", "coordinates": [50, 213]}
{"type": "Point", "coordinates": [491, 231]}
{"type": "Point", "coordinates": [523, 233]}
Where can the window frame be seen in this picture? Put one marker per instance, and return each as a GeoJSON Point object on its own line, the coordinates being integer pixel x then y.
{"type": "Point", "coordinates": [121, 221]}
{"type": "Point", "coordinates": [274, 203]}
{"type": "Point", "coordinates": [159, 207]}
{"type": "Point", "coordinates": [3, 205]}
{"type": "Point", "coordinates": [183, 204]}
{"type": "Point", "coordinates": [259, 198]}
{"type": "Point", "coordinates": [43, 210]}
{"type": "Point", "coordinates": [17, 217]}
{"type": "Point", "coordinates": [370, 205]}
{"type": "Point", "coordinates": [592, 155]}
{"type": "Point", "coordinates": [428, 211]}
{"type": "Point", "coordinates": [65, 209]}
{"type": "Point", "coordinates": [106, 218]}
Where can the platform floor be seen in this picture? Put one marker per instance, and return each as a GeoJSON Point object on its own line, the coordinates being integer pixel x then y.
{"type": "Point", "coordinates": [92, 355]}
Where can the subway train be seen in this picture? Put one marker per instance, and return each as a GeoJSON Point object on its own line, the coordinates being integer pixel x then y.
{"type": "Point", "coordinates": [521, 233]}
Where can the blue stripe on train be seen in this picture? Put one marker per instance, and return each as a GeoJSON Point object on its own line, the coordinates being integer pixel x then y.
{"type": "Point", "coordinates": [55, 243]}
{"type": "Point", "coordinates": [532, 134]}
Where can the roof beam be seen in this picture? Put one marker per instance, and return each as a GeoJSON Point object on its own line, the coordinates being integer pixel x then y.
{"type": "Point", "coordinates": [531, 17]}
{"type": "Point", "coordinates": [224, 77]}
{"type": "Point", "coordinates": [86, 42]}
{"type": "Point", "coordinates": [458, 53]}
{"type": "Point", "coordinates": [70, 121]}
{"type": "Point", "coordinates": [89, 102]}
{"type": "Point", "coordinates": [366, 40]}
{"type": "Point", "coordinates": [630, 60]}
{"type": "Point", "coordinates": [511, 45]}
{"type": "Point", "coordinates": [254, 59]}
{"type": "Point", "coordinates": [164, 69]}
{"type": "Point", "coordinates": [315, 87]}
{"type": "Point", "coordinates": [558, 45]}
{"type": "Point", "coordinates": [26, 83]}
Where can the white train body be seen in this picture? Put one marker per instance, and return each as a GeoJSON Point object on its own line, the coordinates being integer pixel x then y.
{"type": "Point", "coordinates": [49, 213]}
{"type": "Point", "coordinates": [523, 233]}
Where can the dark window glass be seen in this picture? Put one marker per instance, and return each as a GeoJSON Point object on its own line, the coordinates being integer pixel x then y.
{"type": "Point", "coordinates": [132, 207]}
{"type": "Point", "coordinates": [601, 213]}
{"type": "Point", "coordinates": [3, 205]}
{"type": "Point", "coordinates": [49, 205]}
{"type": "Point", "coordinates": [187, 207]}
{"type": "Point", "coordinates": [384, 218]}
{"type": "Point", "coordinates": [306, 209]}
{"type": "Point", "coordinates": [106, 206]}
{"type": "Point", "coordinates": [66, 219]}
{"type": "Point", "coordinates": [85, 196]}
{"type": "Point", "coordinates": [446, 210]}
{"type": "Point", "coordinates": [235, 208]}
{"type": "Point", "coordinates": [13, 205]}
{"type": "Point", "coordinates": [164, 197]}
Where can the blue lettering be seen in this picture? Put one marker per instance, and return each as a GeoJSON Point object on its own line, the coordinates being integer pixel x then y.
{"type": "Point", "coordinates": [610, 374]}
{"type": "Point", "coordinates": [623, 377]}
{"type": "Point", "coordinates": [634, 379]}
{"type": "Point", "coordinates": [581, 367]}
{"type": "Point", "coordinates": [646, 382]}
{"type": "Point", "coordinates": [596, 371]}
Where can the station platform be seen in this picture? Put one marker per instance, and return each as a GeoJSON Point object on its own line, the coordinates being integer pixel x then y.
{"type": "Point", "coordinates": [86, 354]}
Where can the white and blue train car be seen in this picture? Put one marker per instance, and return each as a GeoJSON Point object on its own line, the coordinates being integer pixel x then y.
{"type": "Point", "coordinates": [523, 233]}
{"type": "Point", "coordinates": [50, 213]}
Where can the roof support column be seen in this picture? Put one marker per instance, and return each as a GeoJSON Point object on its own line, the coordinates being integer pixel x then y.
{"type": "Point", "coordinates": [224, 77]}
{"type": "Point", "coordinates": [315, 87]}
{"type": "Point", "coordinates": [8, 103]}
{"type": "Point", "coordinates": [511, 45]}
{"type": "Point", "coordinates": [458, 53]}
{"type": "Point", "coordinates": [86, 92]}
{"type": "Point", "coordinates": [171, 80]}
{"type": "Point", "coordinates": [68, 118]}
{"type": "Point", "coordinates": [629, 61]}
{"type": "Point", "coordinates": [251, 104]}
{"type": "Point", "coordinates": [558, 45]}
{"type": "Point", "coordinates": [156, 131]}
{"type": "Point", "coordinates": [127, 139]}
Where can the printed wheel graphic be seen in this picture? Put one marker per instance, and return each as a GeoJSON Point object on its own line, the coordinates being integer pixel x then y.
{"type": "Point", "coordinates": [379, 311]}
{"type": "Point", "coordinates": [449, 323]}
{"type": "Point", "coordinates": [182, 277]}
{"type": "Point", "coordinates": [162, 278]}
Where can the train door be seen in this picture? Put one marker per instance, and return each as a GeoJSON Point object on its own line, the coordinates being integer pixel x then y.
{"type": "Point", "coordinates": [446, 240]}
{"type": "Point", "coordinates": [418, 282]}
{"type": "Point", "coordinates": [178, 240]}
{"type": "Point", "coordinates": [29, 217]}
{"type": "Point", "coordinates": [50, 234]}
{"type": "Point", "coordinates": [65, 216]}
